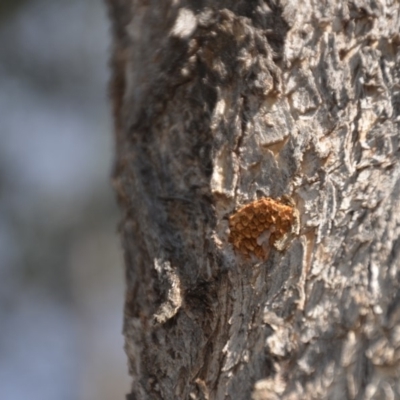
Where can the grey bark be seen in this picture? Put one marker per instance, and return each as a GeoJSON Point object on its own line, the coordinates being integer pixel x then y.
{"type": "Point", "coordinates": [217, 104]}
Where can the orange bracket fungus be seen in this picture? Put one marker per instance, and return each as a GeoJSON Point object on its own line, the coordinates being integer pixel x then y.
{"type": "Point", "coordinates": [257, 226]}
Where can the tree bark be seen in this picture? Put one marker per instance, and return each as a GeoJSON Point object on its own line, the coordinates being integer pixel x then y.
{"type": "Point", "coordinates": [221, 105]}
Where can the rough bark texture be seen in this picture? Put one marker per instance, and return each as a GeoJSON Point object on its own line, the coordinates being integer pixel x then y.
{"type": "Point", "coordinates": [217, 104]}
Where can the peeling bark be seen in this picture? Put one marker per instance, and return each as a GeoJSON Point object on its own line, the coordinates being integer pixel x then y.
{"type": "Point", "coordinates": [218, 104]}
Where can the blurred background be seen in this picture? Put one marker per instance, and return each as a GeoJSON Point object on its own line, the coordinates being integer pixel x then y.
{"type": "Point", "coordinates": [61, 269]}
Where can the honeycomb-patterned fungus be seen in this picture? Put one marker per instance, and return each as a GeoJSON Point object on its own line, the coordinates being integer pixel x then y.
{"type": "Point", "coordinates": [257, 226]}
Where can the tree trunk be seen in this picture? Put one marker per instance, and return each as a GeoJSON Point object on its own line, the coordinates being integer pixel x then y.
{"type": "Point", "coordinates": [282, 117]}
